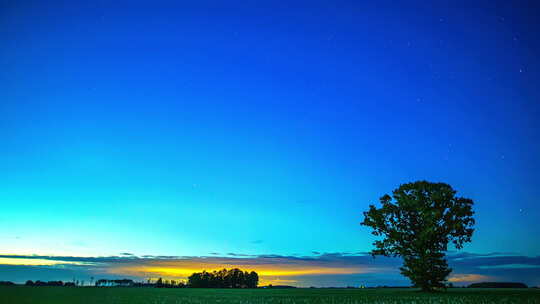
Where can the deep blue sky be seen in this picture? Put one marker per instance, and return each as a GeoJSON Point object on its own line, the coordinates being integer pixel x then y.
{"type": "Point", "coordinates": [255, 127]}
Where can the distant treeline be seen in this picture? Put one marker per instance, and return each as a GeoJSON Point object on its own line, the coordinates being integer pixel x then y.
{"type": "Point", "coordinates": [497, 285]}
{"type": "Point", "coordinates": [280, 286]}
{"type": "Point", "coordinates": [49, 283]}
{"type": "Point", "coordinates": [225, 278]}
{"type": "Point", "coordinates": [108, 283]}
{"type": "Point", "coordinates": [232, 278]}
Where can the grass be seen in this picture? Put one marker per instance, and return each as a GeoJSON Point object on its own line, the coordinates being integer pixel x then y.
{"type": "Point", "coordinates": [61, 295]}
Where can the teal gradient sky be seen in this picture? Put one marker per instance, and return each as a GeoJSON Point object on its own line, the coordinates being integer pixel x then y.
{"type": "Point", "coordinates": [259, 128]}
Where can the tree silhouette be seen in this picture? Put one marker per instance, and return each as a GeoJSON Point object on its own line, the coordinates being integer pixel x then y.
{"type": "Point", "coordinates": [233, 278]}
{"type": "Point", "coordinates": [417, 223]}
{"type": "Point", "coordinates": [252, 280]}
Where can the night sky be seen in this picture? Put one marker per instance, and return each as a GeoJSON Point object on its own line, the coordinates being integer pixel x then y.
{"type": "Point", "coordinates": [151, 139]}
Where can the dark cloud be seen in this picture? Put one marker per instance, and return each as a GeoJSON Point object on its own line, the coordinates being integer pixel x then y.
{"type": "Point", "coordinates": [467, 260]}
{"type": "Point", "coordinates": [498, 266]}
{"type": "Point", "coordinates": [240, 254]}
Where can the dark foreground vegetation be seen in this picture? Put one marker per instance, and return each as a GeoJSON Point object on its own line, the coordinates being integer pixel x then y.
{"type": "Point", "coordinates": [59, 295]}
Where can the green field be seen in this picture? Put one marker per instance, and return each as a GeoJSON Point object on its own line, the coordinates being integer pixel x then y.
{"type": "Point", "coordinates": [60, 295]}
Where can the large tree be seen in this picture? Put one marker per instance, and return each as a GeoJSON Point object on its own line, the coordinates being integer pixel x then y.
{"type": "Point", "coordinates": [417, 223]}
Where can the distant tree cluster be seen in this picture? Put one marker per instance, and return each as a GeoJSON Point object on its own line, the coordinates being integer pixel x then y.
{"type": "Point", "coordinates": [280, 286]}
{"type": "Point", "coordinates": [160, 283]}
{"type": "Point", "coordinates": [49, 283]}
{"type": "Point", "coordinates": [232, 278]}
{"type": "Point", "coordinates": [122, 282]}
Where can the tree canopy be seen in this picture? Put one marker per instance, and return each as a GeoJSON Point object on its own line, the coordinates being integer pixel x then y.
{"type": "Point", "coordinates": [417, 223]}
{"type": "Point", "coordinates": [232, 278]}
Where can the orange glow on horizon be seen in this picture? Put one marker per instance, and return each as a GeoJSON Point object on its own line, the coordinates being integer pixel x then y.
{"type": "Point", "coordinates": [184, 272]}
{"type": "Point", "coordinates": [183, 269]}
{"type": "Point", "coordinates": [456, 278]}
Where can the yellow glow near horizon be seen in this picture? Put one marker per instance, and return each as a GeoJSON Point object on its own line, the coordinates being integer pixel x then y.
{"type": "Point", "coordinates": [271, 271]}
{"type": "Point", "coordinates": [183, 269]}
{"type": "Point", "coordinates": [183, 272]}
{"type": "Point", "coordinates": [266, 281]}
